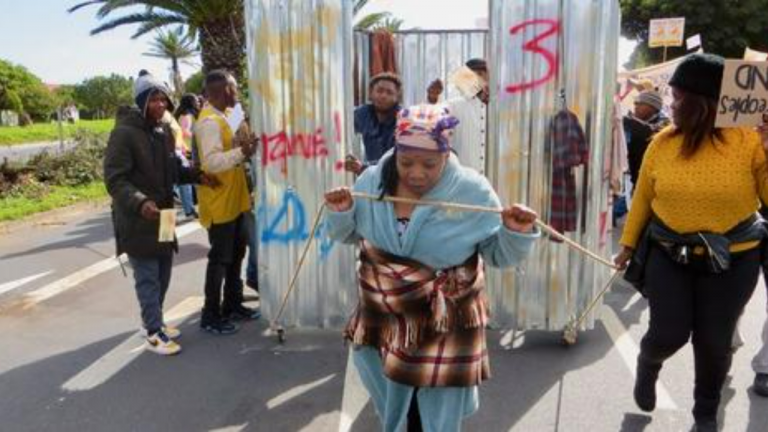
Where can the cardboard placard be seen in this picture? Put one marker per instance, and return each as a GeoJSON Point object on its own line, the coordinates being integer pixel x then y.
{"type": "Point", "coordinates": [693, 42]}
{"type": "Point", "coordinates": [743, 94]}
{"type": "Point", "coordinates": [235, 118]}
{"type": "Point", "coordinates": [467, 81]}
{"type": "Point", "coordinates": [167, 232]}
{"type": "Point", "coordinates": [667, 32]}
{"type": "Point", "coordinates": [752, 55]}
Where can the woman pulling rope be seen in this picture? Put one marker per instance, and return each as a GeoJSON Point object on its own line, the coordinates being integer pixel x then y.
{"type": "Point", "coordinates": [418, 333]}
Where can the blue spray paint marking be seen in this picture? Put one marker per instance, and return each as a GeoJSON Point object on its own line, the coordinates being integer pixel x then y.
{"type": "Point", "coordinates": [297, 230]}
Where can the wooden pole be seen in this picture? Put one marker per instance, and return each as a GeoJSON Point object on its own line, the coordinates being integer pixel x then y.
{"type": "Point", "coordinates": [466, 207]}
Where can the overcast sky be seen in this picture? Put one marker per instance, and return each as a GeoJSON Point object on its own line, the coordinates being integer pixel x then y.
{"type": "Point", "coordinates": [57, 46]}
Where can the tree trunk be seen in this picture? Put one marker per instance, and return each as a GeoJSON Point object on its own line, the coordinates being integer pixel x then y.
{"type": "Point", "coordinates": [222, 44]}
{"type": "Point", "coordinates": [177, 81]}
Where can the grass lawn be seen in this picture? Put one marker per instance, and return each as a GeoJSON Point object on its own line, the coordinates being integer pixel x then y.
{"type": "Point", "coordinates": [50, 131]}
{"type": "Point", "coordinates": [60, 196]}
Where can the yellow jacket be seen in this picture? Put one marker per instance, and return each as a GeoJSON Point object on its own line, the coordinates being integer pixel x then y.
{"type": "Point", "coordinates": [231, 198]}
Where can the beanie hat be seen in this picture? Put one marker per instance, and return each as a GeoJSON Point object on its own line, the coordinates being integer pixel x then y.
{"type": "Point", "coordinates": [701, 74]}
{"type": "Point", "coordinates": [145, 86]}
{"type": "Point", "coordinates": [477, 64]}
{"type": "Point", "coordinates": [650, 98]}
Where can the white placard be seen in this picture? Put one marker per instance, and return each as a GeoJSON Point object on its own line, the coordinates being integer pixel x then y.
{"type": "Point", "coordinates": [667, 32]}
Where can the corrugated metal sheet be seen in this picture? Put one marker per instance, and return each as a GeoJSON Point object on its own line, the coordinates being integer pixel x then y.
{"type": "Point", "coordinates": [300, 64]}
{"type": "Point", "coordinates": [422, 57]}
{"type": "Point", "coordinates": [299, 60]}
{"type": "Point", "coordinates": [540, 50]}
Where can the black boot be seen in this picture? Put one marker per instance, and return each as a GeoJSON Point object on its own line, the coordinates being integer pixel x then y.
{"type": "Point", "coordinates": [645, 385]}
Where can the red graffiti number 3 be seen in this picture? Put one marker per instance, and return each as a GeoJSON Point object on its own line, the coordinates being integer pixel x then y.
{"type": "Point", "coordinates": [533, 46]}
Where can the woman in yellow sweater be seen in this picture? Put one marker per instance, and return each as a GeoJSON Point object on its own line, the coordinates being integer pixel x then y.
{"type": "Point", "coordinates": [694, 234]}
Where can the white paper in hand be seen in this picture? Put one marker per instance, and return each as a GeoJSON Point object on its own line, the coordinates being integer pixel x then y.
{"type": "Point", "coordinates": [467, 81]}
{"type": "Point", "coordinates": [167, 226]}
{"type": "Point", "coordinates": [236, 118]}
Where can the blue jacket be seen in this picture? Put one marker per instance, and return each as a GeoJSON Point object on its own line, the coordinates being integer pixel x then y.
{"type": "Point", "coordinates": [434, 237]}
{"type": "Point", "coordinates": [378, 138]}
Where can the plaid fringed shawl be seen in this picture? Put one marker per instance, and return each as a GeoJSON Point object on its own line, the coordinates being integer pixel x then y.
{"type": "Point", "coordinates": [428, 325]}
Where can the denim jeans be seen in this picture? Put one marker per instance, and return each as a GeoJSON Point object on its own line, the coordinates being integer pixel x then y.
{"type": "Point", "coordinates": [152, 277]}
{"type": "Point", "coordinates": [187, 198]}
{"type": "Point", "coordinates": [186, 191]}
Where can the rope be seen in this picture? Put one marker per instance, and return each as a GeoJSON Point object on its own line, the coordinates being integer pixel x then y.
{"type": "Point", "coordinates": [480, 209]}
{"type": "Point", "coordinates": [446, 206]}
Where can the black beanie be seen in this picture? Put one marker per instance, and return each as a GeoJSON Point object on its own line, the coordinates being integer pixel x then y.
{"type": "Point", "coordinates": [701, 74]}
{"type": "Point", "coordinates": [477, 64]}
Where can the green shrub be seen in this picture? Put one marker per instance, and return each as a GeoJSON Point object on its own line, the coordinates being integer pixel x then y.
{"type": "Point", "coordinates": [79, 166]}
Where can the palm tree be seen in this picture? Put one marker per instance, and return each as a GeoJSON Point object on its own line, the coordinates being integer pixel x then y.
{"type": "Point", "coordinates": [176, 46]}
{"type": "Point", "coordinates": [219, 25]}
{"type": "Point", "coordinates": [375, 21]}
{"type": "Point", "coordinates": [380, 21]}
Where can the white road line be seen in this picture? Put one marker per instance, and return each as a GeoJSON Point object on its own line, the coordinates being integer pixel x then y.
{"type": "Point", "coordinates": [636, 297]}
{"type": "Point", "coordinates": [629, 350]}
{"type": "Point", "coordinates": [121, 356]}
{"type": "Point", "coordinates": [354, 399]}
{"type": "Point", "coordinates": [62, 285]}
{"type": "Point", "coordinates": [10, 286]}
{"type": "Point", "coordinates": [297, 391]}
{"type": "Point", "coordinates": [231, 428]}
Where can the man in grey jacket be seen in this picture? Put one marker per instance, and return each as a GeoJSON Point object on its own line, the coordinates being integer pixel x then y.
{"type": "Point", "coordinates": [140, 170]}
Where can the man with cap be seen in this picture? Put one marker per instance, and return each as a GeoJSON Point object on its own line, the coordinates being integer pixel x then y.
{"type": "Point", "coordinates": [222, 153]}
{"type": "Point", "coordinates": [641, 126]}
{"type": "Point", "coordinates": [140, 170]}
{"type": "Point", "coordinates": [472, 113]}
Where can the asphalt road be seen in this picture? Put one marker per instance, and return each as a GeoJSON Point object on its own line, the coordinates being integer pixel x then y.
{"type": "Point", "coordinates": [71, 358]}
{"type": "Point", "coordinates": [23, 152]}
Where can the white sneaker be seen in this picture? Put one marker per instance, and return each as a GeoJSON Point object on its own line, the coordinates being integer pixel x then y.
{"type": "Point", "coordinates": [172, 332]}
{"type": "Point", "coordinates": [160, 343]}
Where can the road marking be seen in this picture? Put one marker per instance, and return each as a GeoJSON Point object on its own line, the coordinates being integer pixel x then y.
{"type": "Point", "coordinates": [629, 350]}
{"type": "Point", "coordinates": [297, 391]}
{"type": "Point", "coordinates": [10, 286]}
{"type": "Point", "coordinates": [636, 297]}
{"type": "Point", "coordinates": [121, 356]}
{"type": "Point", "coordinates": [355, 397]}
{"type": "Point", "coordinates": [75, 279]}
{"type": "Point", "coordinates": [231, 428]}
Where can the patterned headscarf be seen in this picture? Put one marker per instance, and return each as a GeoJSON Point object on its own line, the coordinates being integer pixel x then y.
{"type": "Point", "coordinates": [425, 127]}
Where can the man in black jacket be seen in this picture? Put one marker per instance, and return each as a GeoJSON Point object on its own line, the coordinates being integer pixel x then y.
{"type": "Point", "coordinates": [140, 169]}
{"type": "Point", "coordinates": [641, 126]}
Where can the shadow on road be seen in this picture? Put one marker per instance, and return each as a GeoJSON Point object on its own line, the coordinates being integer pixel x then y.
{"type": "Point", "coordinates": [243, 382]}
{"type": "Point", "coordinates": [90, 231]}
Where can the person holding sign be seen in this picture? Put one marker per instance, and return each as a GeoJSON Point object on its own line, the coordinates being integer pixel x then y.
{"type": "Point", "coordinates": [140, 170]}
{"type": "Point", "coordinates": [693, 236]}
{"type": "Point", "coordinates": [472, 111]}
{"type": "Point", "coordinates": [418, 333]}
{"type": "Point", "coordinates": [223, 210]}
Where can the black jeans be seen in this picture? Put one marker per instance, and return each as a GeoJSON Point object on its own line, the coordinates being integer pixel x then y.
{"type": "Point", "coordinates": [225, 261]}
{"type": "Point", "coordinates": [686, 301]}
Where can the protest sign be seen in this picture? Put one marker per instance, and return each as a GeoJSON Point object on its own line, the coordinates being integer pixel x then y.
{"type": "Point", "coordinates": [666, 32]}
{"type": "Point", "coordinates": [743, 94]}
